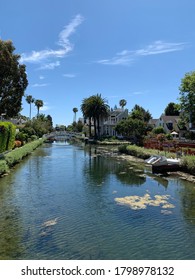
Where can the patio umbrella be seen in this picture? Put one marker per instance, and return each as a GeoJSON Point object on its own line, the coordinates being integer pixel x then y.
{"type": "Point", "coordinates": [174, 133]}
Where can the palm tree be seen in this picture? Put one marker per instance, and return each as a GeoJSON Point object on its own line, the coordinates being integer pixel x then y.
{"type": "Point", "coordinates": [75, 110]}
{"type": "Point", "coordinates": [30, 100]}
{"type": "Point", "coordinates": [122, 103]}
{"type": "Point", "coordinates": [86, 109]}
{"type": "Point", "coordinates": [38, 104]}
{"type": "Point", "coordinates": [94, 108]}
{"type": "Point", "coordinates": [101, 109]}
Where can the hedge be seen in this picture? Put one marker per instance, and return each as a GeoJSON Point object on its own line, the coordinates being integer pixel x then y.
{"type": "Point", "coordinates": [187, 162]}
{"type": "Point", "coordinates": [15, 156]}
{"type": "Point", "coordinates": [7, 136]}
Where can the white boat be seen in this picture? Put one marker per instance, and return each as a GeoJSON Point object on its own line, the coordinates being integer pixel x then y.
{"type": "Point", "coordinates": [162, 164]}
{"type": "Point", "coordinates": [151, 159]}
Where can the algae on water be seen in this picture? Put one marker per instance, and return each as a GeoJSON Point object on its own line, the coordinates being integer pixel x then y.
{"type": "Point", "coordinates": [136, 202]}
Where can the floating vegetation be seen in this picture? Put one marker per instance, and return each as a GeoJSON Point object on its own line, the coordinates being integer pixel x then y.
{"type": "Point", "coordinates": [47, 227]}
{"type": "Point", "coordinates": [136, 202]}
{"type": "Point", "coordinates": [166, 212]}
{"type": "Point", "coordinates": [50, 223]}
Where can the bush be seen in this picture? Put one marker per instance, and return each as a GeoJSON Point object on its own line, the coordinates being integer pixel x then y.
{"type": "Point", "coordinates": [3, 167]}
{"type": "Point", "coordinates": [188, 164]}
{"type": "Point", "coordinates": [7, 136]}
{"type": "Point", "coordinates": [16, 155]}
{"type": "Point", "coordinates": [158, 130]}
{"type": "Point", "coordinates": [34, 137]}
{"type": "Point", "coordinates": [21, 136]}
{"type": "Point", "coordinates": [18, 144]}
{"type": "Point", "coordinates": [141, 152]}
{"type": "Point", "coordinates": [138, 152]}
{"type": "Point", "coordinates": [123, 149]}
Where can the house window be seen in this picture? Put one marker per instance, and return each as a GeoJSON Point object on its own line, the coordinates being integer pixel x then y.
{"type": "Point", "coordinates": [170, 125]}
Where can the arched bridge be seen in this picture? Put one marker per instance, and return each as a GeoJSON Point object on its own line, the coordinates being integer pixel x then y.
{"type": "Point", "coordinates": [62, 135]}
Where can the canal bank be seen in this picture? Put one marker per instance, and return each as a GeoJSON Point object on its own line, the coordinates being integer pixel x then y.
{"type": "Point", "coordinates": [73, 202]}
{"type": "Point", "coordinates": [11, 158]}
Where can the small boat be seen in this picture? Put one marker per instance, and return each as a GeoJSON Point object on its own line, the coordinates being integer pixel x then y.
{"type": "Point", "coordinates": [151, 159]}
{"type": "Point", "coordinates": [162, 164]}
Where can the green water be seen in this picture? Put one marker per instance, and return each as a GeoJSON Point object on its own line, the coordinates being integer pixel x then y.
{"type": "Point", "coordinates": [59, 203]}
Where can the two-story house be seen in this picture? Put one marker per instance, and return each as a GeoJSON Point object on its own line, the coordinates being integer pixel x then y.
{"type": "Point", "coordinates": [107, 124]}
{"type": "Point", "coordinates": [169, 124]}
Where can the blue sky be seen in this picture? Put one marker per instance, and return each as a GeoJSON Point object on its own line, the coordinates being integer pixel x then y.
{"type": "Point", "coordinates": [136, 50]}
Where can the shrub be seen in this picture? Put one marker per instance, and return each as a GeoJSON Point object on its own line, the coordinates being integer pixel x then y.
{"type": "Point", "coordinates": [123, 149]}
{"type": "Point", "coordinates": [21, 136]}
{"type": "Point", "coordinates": [16, 155]}
{"type": "Point", "coordinates": [7, 136]}
{"type": "Point", "coordinates": [141, 152]}
{"type": "Point", "coordinates": [188, 164]}
{"type": "Point", "coordinates": [18, 144]}
{"type": "Point", "coordinates": [158, 130]}
{"type": "Point", "coordinates": [3, 167]}
{"type": "Point", "coordinates": [34, 137]}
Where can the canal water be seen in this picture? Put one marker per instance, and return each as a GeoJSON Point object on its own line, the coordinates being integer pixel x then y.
{"type": "Point", "coordinates": [71, 202]}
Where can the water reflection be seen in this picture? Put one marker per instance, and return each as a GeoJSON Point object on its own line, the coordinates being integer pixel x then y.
{"type": "Point", "coordinates": [60, 203]}
{"type": "Point", "coordinates": [187, 194]}
{"type": "Point", "coordinates": [102, 164]}
{"type": "Point", "coordinates": [11, 226]}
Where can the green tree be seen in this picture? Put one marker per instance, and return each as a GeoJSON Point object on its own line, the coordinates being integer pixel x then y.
{"type": "Point", "coordinates": [38, 104]}
{"type": "Point", "coordinates": [75, 110]}
{"type": "Point", "coordinates": [79, 126]}
{"type": "Point", "coordinates": [172, 109]}
{"type": "Point", "coordinates": [38, 126]}
{"type": "Point", "coordinates": [87, 111]}
{"type": "Point", "coordinates": [122, 103]}
{"type": "Point", "coordinates": [140, 113]}
{"type": "Point", "coordinates": [30, 100]}
{"type": "Point", "coordinates": [101, 110]}
{"type": "Point", "coordinates": [13, 80]}
{"type": "Point", "coordinates": [158, 130]}
{"type": "Point", "coordinates": [50, 122]}
{"type": "Point", "coordinates": [94, 107]}
{"type": "Point", "coordinates": [187, 96]}
{"type": "Point", "coordinates": [132, 128]}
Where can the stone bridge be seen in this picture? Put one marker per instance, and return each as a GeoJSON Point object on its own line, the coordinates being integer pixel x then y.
{"type": "Point", "coordinates": [62, 135]}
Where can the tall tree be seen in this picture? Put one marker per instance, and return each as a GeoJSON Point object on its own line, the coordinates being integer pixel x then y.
{"type": "Point", "coordinates": [30, 100]}
{"type": "Point", "coordinates": [122, 103]}
{"type": "Point", "coordinates": [187, 96]}
{"type": "Point", "coordinates": [87, 111]}
{"type": "Point", "coordinates": [94, 107]}
{"type": "Point", "coordinates": [101, 109]}
{"type": "Point", "coordinates": [50, 121]}
{"type": "Point", "coordinates": [38, 104]}
{"type": "Point", "coordinates": [13, 80]}
{"type": "Point", "coordinates": [75, 110]}
{"type": "Point", "coordinates": [140, 113]}
{"type": "Point", "coordinates": [172, 109]}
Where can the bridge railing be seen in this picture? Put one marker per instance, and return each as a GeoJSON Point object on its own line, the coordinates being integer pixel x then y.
{"type": "Point", "coordinates": [62, 134]}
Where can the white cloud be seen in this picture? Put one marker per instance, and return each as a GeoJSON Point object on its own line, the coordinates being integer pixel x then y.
{"type": "Point", "coordinates": [41, 77]}
{"type": "Point", "coordinates": [127, 57]}
{"type": "Point", "coordinates": [50, 66]}
{"type": "Point", "coordinates": [45, 108]}
{"type": "Point", "coordinates": [69, 75]}
{"type": "Point", "coordinates": [63, 42]}
{"type": "Point", "coordinates": [40, 85]}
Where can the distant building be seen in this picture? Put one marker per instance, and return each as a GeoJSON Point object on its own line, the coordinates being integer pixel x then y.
{"type": "Point", "coordinates": [107, 124]}
{"type": "Point", "coordinates": [169, 124]}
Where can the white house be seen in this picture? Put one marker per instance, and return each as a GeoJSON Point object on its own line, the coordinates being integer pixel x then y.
{"type": "Point", "coordinates": [107, 124]}
{"type": "Point", "coordinates": [169, 124]}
